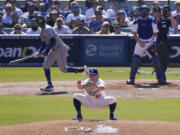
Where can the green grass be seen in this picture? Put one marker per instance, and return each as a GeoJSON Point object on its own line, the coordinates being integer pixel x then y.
{"type": "Point", "coordinates": [25, 74]}
{"type": "Point", "coordinates": [25, 109]}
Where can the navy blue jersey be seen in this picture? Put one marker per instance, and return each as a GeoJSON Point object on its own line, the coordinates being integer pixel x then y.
{"type": "Point", "coordinates": [145, 28]}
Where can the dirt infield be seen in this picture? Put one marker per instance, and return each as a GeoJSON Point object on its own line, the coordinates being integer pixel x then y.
{"type": "Point", "coordinates": [118, 88]}
{"type": "Point", "coordinates": [124, 128]}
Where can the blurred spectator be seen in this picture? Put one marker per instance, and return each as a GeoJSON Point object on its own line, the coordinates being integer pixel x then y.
{"type": "Point", "coordinates": [15, 8]}
{"type": "Point", "coordinates": [91, 11]}
{"type": "Point", "coordinates": [176, 29]}
{"type": "Point", "coordinates": [75, 14]}
{"type": "Point", "coordinates": [42, 9]}
{"type": "Point", "coordinates": [156, 13]}
{"type": "Point", "coordinates": [95, 24]}
{"type": "Point", "coordinates": [121, 19]}
{"type": "Point", "coordinates": [88, 4]}
{"type": "Point", "coordinates": [1, 29]}
{"type": "Point", "coordinates": [72, 25]}
{"type": "Point", "coordinates": [135, 14]}
{"type": "Point", "coordinates": [117, 29]}
{"type": "Point", "coordinates": [29, 15]}
{"type": "Point", "coordinates": [15, 20]}
{"type": "Point", "coordinates": [80, 29]}
{"type": "Point", "coordinates": [34, 29]}
{"type": "Point", "coordinates": [140, 3]}
{"type": "Point", "coordinates": [1, 16]}
{"type": "Point", "coordinates": [116, 7]}
{"type": "Point", "coordinates": [56, 6]}
{"type": "Point", "coordinates": [7, 17]}
{"type": "Point", "coordinates": [68, 9]}
{"type": "Point", "coordinates": [53, 15]}
{"type": "Point", "coordinates": [60, 27]}
{"type": "Point", "coordinates": [154, 6]}
{"type": "Point", "coordinates": [177, 11]}
{"type": "Point", "coordinates": [17, 29]}
{"type": "Point", "coordinates": [25, 8]}
{"type": "Point", "coordinates": [105, 28]}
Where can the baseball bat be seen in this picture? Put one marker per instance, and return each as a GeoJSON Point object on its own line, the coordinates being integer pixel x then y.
{"type": "Point", "coordinates": [21, 59]}
{"type": "Point", "coordinates": [149, 55]}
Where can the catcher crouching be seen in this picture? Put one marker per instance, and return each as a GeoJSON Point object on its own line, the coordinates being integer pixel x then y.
{"type": "Point", "coordinates": [94, 97]}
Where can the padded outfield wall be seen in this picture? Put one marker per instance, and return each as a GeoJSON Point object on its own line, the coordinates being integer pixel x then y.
{"type": "Point", "coordinates": [90, 50]}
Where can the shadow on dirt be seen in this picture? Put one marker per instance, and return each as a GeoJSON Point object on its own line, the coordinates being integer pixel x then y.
{"type": "Point", "coordinates": [52, 93]}
{"type": "Point", "coordinates": [153, 85]}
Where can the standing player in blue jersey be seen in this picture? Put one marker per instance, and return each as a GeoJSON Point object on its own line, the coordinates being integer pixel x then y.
{"type": "Point", "coordinates": [145, 33]}
{"type": "Point", "coordinates": [54, 49]}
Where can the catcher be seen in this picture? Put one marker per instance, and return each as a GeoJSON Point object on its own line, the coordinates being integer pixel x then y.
{"type": "Point", "coordinates": [94, 96]}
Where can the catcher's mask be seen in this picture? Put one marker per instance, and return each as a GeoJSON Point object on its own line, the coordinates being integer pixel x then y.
{"type": "Point", "coordinates": [93, 71]}
{"type": "Point", "coordinates": [144, 11]}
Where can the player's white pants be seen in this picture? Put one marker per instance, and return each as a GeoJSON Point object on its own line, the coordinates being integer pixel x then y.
{"type": "Point", "coordinates": [92, 102]}
{"type": "Point", "coordinates": [141, 51]}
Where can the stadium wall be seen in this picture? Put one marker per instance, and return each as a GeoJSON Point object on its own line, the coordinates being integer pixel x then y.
{"type": "Point", "coordinates": [85, 49]}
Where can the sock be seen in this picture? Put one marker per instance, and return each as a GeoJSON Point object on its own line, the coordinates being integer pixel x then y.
{"type": "Point", "coordinates": [75, 70]}
{"type": "Point", "coordinates": [77, 105]}
{"type": "Point", "coordinates": [48, 75]}
{"type": "Point", "coordinates": [112, 108]}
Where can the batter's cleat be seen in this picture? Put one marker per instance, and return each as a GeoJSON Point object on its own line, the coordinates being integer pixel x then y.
{"type": "Point", "coordinates": [130, 82]}
{"type": "Point", "coordinates": [48, 88]}
{"type": "Point", "coordinates": [86, 72]}
{"type": "Point", "coordinates": [78, 117]}
{"type": "Point", "coordinates": [162, 82]}
{"type": "Point", "coordinates": [112, 117]}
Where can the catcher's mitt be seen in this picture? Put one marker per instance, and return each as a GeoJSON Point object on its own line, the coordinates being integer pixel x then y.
{"type": "Point", "coordinates": [90, 88]}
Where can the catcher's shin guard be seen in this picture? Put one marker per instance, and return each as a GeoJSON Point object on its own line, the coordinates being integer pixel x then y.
{"type": "Point", "coordinates": [134, 67]}
{"type": "Point", "coordinates": [158, 69]}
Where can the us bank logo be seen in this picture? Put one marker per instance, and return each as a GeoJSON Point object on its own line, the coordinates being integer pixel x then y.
{"type": "Point", "coordinates": [91, 50]}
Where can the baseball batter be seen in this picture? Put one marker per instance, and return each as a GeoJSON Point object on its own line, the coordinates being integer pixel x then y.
{"type": "Point", "coordinates": [55, 50]}
{"type": "Point", "coordinates": [96, 98]}
{"type": "Point", "coordinates": [145, 33]}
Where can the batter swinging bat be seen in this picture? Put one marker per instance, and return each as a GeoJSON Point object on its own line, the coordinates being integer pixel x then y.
{"type": "Point", "coordinates": [21, 59]}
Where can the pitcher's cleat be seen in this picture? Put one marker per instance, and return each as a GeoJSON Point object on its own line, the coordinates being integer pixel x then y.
{"type": "Point", "coordinates": [112, 117]}
{"type": "Point", "coordinates": [48, 88]}
{"type": "Point", "coordinates": [78, 117]}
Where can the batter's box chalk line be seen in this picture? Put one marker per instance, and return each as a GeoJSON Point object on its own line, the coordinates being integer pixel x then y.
{"type": "Point", "coordinates": [105, 129]}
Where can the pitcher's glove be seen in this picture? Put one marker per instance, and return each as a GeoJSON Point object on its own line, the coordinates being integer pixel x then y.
{"type": "Point", "coordinates": [90, 87]}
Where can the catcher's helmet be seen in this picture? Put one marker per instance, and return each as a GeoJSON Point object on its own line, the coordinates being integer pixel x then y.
{"type": "Point", "coordinates": [93, 71]}
{"type": "Point", "coordinates": [144, 11]}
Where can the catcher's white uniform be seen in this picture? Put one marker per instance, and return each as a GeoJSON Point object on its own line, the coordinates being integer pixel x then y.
{"type": "Point", "coordinates": [99, 100]}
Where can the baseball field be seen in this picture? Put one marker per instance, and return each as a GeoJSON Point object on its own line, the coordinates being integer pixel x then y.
{"type": "Point", "coordinates": [145, 108]}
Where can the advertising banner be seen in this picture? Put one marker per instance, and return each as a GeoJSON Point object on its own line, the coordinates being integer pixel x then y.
{"type": "Point", "coordinates": [14, 47]}
{"type": "Point", "coordinates": [104, 51]}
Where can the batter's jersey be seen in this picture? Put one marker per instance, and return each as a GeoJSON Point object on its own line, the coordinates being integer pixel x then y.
{"type": "Point", "coordinates": [48, 33]}
{"type": "Point", "coordinates": [99, 83]}
{"type": "Point", "coordinates": [144, 28]}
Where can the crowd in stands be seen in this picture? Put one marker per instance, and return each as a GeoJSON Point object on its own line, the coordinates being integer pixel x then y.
{"type": "Point", "coordinates": [72, 20]}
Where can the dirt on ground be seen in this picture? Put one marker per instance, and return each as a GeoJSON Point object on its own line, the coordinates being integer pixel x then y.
{"type": "Point", "coordinates": [123, 128]}
{"type": "Point", "coordinates": [117, 88]}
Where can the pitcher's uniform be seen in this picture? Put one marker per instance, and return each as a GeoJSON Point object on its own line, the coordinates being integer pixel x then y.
{"type": "Point", "coordinates": [99, 100]}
